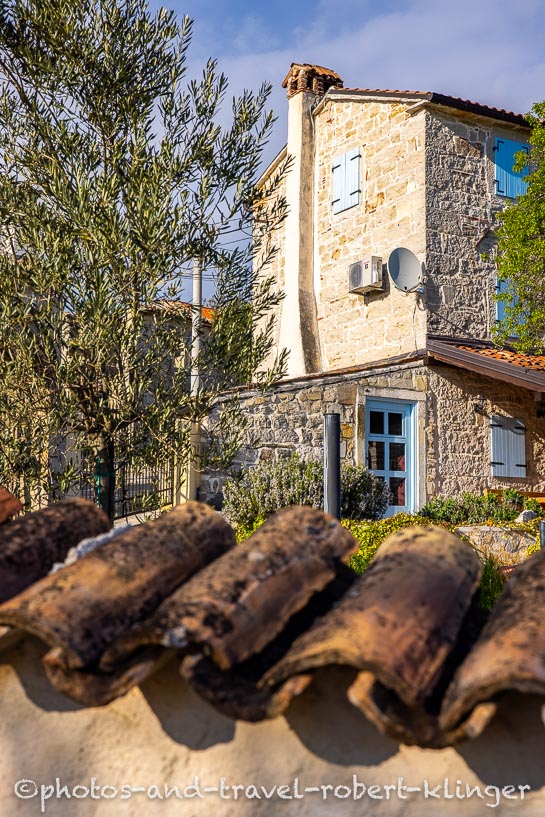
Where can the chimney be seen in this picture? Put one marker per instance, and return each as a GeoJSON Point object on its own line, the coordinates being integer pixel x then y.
{"type": "Point", "coordinates": [305, 84]}
{"type": "Point", "coordinates": [310, 78]}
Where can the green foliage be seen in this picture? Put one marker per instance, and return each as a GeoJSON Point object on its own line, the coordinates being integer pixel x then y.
{"type": "Point", "coordinates": [370, 535]}
{"type": "Point", "coordinates": [363, 496]}
{"type": "Point", "coordinates": [531, 504]}
{"type": "Point", "coordinates": [521, 249]}
{"type": "Point", "coordinates": [115, 173]}
{"type": "Point", "coordinates": [472, 509]}
{"type": "Point", "coordinates": [491, 584]}
{"type": "Point", "coordinates": [244, 531]}
{"type": "Point", "coordinates": [257, 492]}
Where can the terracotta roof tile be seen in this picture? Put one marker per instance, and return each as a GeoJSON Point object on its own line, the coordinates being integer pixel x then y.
{"type": "Point", "coordinates": [523, 370]}
{"type": "Point", "coordinates": [179, 308]}
{"type": "Point", "coordinates": [526, 361]}
{"type": "Point", "coordinates": [251, 624]}
{"type": "Point", "coordinates": [9, 505]}
{"type": "Point", "coordinates": [31, 544]}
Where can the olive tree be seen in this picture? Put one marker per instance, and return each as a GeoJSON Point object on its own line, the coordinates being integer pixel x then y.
{"type": "Point", "coordinates": [116, 173]}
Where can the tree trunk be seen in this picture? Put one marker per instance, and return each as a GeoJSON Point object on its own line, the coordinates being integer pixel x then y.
{"type": "Point", "coordinates": [105, 476]}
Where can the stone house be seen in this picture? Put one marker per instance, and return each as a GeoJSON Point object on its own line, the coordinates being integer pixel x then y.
{"type": "Point", "coordinates": [426, 400]}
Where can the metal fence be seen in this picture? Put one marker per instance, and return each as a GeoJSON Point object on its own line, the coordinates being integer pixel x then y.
{"type": "Point", "coordinates": [138, 489]}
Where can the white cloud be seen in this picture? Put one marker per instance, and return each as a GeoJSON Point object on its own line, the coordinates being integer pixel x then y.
{"type": "Point", "coordinates": [489, 51]}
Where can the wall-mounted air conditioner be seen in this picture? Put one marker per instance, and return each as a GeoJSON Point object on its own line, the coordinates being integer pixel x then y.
{"type": "Point", "coordinates": [365, 275]}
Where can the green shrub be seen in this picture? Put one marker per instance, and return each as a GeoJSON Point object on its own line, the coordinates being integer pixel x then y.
{"type": "Point", "coordinates": [473, 509]}
{"type": "Point", "coordinates": [443, 509]}
{"type": "Point", "coordinates": [363, 496]}
{"type": "Point", "coordinates": [370, 535]}
{"type": "Point", "coordinates": [531, 504]}
{"type": "Point", "coordinates": [244, 531]}
{"type": "Point", "coordinates": [257, 492]}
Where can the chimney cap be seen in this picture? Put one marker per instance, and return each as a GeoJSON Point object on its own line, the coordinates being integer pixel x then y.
{"type": "Point", "coordinates": [304, 76]}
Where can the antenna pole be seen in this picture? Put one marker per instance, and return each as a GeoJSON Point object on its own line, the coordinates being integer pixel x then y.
{"type": "Point", "coordinates": [193, 475]}
{"type": "Point", "coordinates": [196, 327]}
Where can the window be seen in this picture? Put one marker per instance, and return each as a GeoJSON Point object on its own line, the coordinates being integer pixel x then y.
{"type": "Point", "coordinates": [508, 446]}
{"type": "Point", "coordinates": [390, 450]}
{"type": "Point", "coordinates": [346, 180]}
{"type": "Point", "coordinates": [509, 183]}
{"type": "Point", "coordinates": [501, 287]}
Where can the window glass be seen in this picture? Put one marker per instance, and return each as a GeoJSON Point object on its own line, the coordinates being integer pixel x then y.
{"type": "Point", "coordinates": [397, 457]}
{"type": "Point", "coordinates": [376, 422]}
{"type": "Point", "coordinates": [395, 423]}
{"type": "Point", "coordinates": [375, 455]}
{"type": "Point", "coordinates": [397, 488]}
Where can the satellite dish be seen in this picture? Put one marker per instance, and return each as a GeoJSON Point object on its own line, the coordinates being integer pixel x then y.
{"type": "Point", "coordinates": [405, 269]}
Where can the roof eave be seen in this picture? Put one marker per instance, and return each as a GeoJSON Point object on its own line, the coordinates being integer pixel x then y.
{"type": "Point", "coordinates": [427, 99]}
{"type": "Point", "coordinates": [489, 367]}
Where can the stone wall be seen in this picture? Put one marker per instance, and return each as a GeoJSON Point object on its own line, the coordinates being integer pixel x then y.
{"type": "Point", "coordinates": [427, 183]}
{"type": "Point", "coordinates": [508, 546]}
{"type": "Point", "coordinates": [458, 438]}
{"type": "Point", "coordinates": [290, 417]}
{"type": "Point", "coordinates": [461, 216]}
{"type": "Point", "coordinates": [275, 244]}
{"type": "Point", "coordinates": [356, 329]}
{"type": "Point", "coordinates": [453, 440]}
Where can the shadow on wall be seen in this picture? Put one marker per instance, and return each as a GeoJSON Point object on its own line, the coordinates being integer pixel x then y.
{"type": "Point", "coordinates": [325, 728]}
{"type": "Point", "coordinates": [512, 749]}
{"type": "Point", "coordinates": [357, 741]}
{"type": "Point", "coordinates": [25, 658]}
{"type": "Point", "coordinates": [183, 715]}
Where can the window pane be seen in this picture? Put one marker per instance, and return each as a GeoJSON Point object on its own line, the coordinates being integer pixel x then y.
{"type": "Point", "coordinates": [395, 423]}
{"type": "Point", "coordinates": [397, 488]}
{"type": "Point", "coordinates": [397, 456]}
{"type": "Point", "coordinates": [376, 422]}
{"type": "Point", "coordinates": [375, 455]}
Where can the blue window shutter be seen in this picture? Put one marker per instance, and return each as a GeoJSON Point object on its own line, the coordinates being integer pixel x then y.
{"type": "Point", "coordinates": [339, 183]}
{"type": "Point", "coordinates": [504, 286]}
{"type": "Point", "coordinates": [501, 286]}
{"type": "Point", "coordinates": [508, 446]}
{"type": "Point", "coordinates": [346, 180]}
{"type": "Point", "coordinates": [353, 177]}
{"type": "Point", "coordinates": [509, 183]}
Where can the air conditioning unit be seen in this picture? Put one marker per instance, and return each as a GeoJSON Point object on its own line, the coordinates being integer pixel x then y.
{"type": "Point", "coordinates": [365, 275]}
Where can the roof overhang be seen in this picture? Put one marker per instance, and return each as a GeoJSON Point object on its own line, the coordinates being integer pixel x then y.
{"type": "Point", "coordinates": [427, 99]}
{"type": "Point", "coordinates": [450, 351]}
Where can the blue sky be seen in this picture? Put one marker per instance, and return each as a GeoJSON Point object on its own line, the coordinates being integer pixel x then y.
{"type": "Point", "coordinates": [490, 51]}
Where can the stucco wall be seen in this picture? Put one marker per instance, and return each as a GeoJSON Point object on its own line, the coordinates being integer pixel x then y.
{"type": "Point", "coordinates": [355, 329]}
{"type": "Point", "coordinates": [275, 245]}
{"type": "Point", "coordinates": [461, 216]}
{"type": "Point", "coordinates": [163, 734]}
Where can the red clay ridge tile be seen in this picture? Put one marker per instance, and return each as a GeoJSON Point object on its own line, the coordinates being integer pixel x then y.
{"type": "Point", "coordinates": [9, 505]}
{"type": "Point", "coordinates": [252, 624]}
